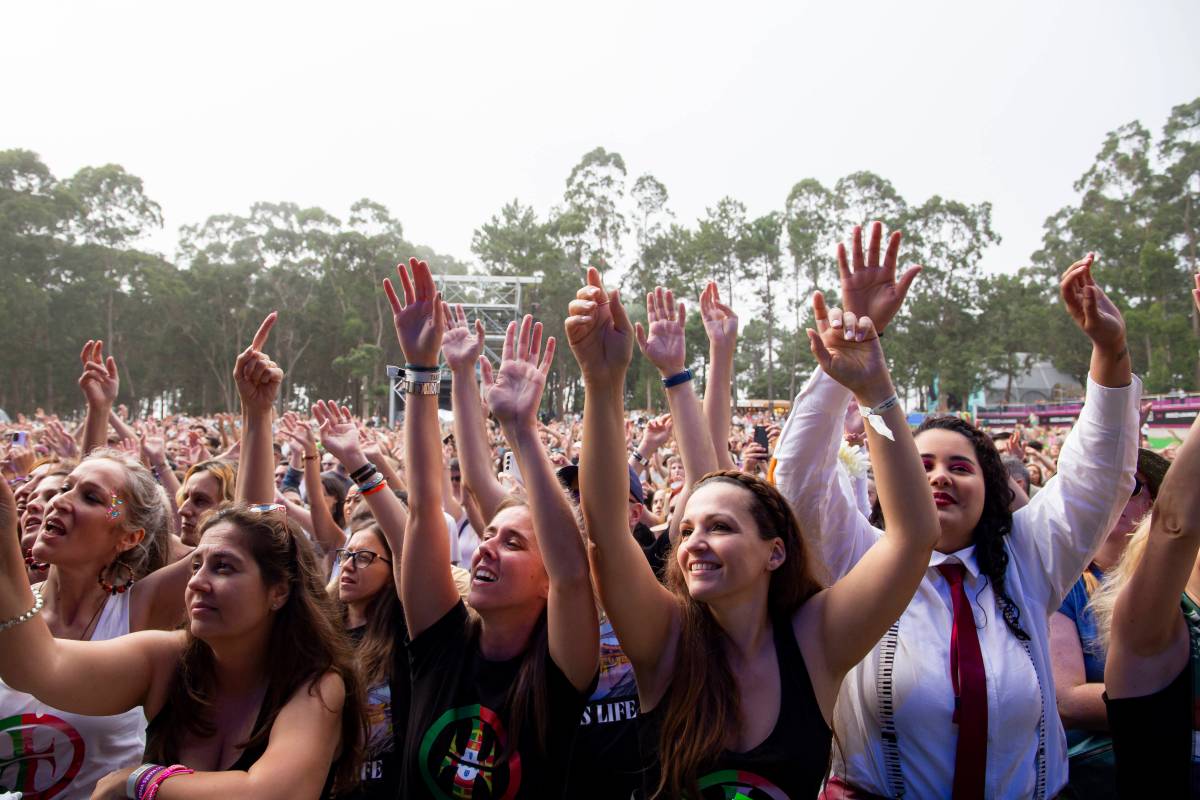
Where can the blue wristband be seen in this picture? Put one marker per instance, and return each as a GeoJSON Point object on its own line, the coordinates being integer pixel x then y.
{"type": "Point", "coordinates": [678, 378]}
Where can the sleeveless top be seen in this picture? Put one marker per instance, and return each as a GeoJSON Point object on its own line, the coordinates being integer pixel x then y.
{"type": "Point", "coordinates": [1156, 738]}
{"type": "Point", "coordinates": [790, 763]}
{"type": "Point", "coordinates": [244, 762]}
{"type": "Point", "coordinates": [47, 753]}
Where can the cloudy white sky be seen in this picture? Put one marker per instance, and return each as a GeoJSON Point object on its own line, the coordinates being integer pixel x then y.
{"type": "Point", "coordinates": [444, 111]}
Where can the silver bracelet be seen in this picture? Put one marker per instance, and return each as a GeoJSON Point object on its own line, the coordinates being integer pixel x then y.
{"type": "Point", "coordinates": [132, 781]}
{"type": "Point", "coordinates": [38, 602]}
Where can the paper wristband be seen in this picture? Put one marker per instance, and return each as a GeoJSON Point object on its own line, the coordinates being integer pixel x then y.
{"type": "Point", "coordinates": [873, 418]}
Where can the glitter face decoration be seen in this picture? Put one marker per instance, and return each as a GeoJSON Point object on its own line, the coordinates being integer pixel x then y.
{"type": "Point", "coordinates": [114, 509]}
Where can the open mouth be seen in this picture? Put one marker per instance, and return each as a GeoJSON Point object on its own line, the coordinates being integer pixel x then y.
{"type": "Point", "coordinates": [484, 575]}
{"type": "Point", "coordinates": [53, 527]}
{"type": "Point", "coordinates": [32, 523]}
{"type": "Point", "coordinates": [702, 566]}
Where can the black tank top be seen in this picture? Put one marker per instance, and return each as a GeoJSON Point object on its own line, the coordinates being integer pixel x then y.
{"type": "Point", "coordinates": [788, 765]}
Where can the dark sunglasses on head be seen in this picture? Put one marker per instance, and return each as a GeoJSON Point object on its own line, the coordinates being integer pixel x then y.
{"type": "Point", "coordinates": [362, 558]}
{"type": "Point", "coordinates": [1137, 487]}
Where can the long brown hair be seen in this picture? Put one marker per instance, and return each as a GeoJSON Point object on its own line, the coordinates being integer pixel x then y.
{"type": "Point", "coordinates": [527, 696]}
{"type": "Point", "coordinates": [307, 628]}
{"type": "Point", "coordinates": [376, 651]}
{"type": "Point", "coordinates": [703, 706]}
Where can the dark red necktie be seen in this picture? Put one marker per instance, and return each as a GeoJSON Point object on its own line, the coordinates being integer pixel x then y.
{"type": "Point", "coordinates": [970, 692]}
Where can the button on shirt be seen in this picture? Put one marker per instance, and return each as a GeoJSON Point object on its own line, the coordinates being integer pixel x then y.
{"type": "Point", "coordinates": [1053, 539]}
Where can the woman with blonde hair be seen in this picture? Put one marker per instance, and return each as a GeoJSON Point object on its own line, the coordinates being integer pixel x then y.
{"type": "Point", "coordinates": [1149, 616]}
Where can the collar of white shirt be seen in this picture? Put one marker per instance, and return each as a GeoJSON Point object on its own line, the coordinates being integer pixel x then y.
{"type": "Point", "coordinates": [966, 557]}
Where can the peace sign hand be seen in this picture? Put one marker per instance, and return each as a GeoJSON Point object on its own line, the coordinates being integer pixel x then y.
{"type": "Point", "coordinates": [514, 394]}
{"type": "Point", "coordinates": [665, 345]}
{"type": "Point", "coordinates": [847, 348]}
{"type": "Point", "coordinates": [100, 380]}
{"type": "Point", "coordinates": [258, 378]}
{"type": "Point", "coordinates": [871, 289]}
{"type": "Point", "coordinates": [420, 319]}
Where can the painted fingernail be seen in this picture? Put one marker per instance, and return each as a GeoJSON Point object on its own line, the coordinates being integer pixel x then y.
{"type": "Point", "coordinates": [849, 335]}
{"type": "Point", "coordinates": [835, 323]}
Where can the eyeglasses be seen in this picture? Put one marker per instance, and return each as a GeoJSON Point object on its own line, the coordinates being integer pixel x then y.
{"type": "Point", "coordinates": [362, 558]}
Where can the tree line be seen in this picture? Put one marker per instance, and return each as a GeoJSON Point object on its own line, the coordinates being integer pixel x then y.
{"type": "Point", "coordinates": [72, 270]}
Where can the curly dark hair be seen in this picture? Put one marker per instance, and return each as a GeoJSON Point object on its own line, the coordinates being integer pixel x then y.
{"type": "Point", "coordinates": [995, 522]}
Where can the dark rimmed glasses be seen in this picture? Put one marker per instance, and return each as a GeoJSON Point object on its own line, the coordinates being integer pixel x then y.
{"type": "Point", "coordinates": [362, 558]}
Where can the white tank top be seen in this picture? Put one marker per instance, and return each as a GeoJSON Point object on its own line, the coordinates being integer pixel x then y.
{"type": "Point", "coordinates": [46, 753]}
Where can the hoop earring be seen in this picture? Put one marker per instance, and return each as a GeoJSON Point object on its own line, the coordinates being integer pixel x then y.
{"type": "Point", "coordinates": [34, 564]}
{"type": "Point", "coordinates": [119, 588]}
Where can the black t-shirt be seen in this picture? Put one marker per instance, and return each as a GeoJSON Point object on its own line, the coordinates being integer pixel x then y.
{"type": "Point", "coordinates": [790, 763]}
{"type": "Point", "coordinates": [657, 548]}
{"type": "Point", "coordinates": [1156, 738]}
{"type": "Point", "coordinates": [458, 733]}
{"type": "Point", "coordinates": [606, 763]}
{"type": "Point", "coordinates": [387, 717]}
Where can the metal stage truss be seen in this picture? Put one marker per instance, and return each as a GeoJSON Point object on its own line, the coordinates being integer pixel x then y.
{"type": "Point", "coordinates": [494, 299]}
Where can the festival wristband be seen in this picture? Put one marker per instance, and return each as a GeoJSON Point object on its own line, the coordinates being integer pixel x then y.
{"type": "Point", "coordinates": [416, 368]}
{"type": "Point", "coordinates": [422, 387]}
{"type": "Point", "coordinates": [873, 418]}
{"type": "Point", "coordinates": [422, 376]}
{"type": "Point", "coordinates": [131, 783]}
{"type": "Point", "coordinates": [161, 777]}
{"type": "Point", "coordinates": [678, 378]}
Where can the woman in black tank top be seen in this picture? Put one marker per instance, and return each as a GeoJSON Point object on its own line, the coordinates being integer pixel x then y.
{"type": "Point", "coordinates": [740, 657]}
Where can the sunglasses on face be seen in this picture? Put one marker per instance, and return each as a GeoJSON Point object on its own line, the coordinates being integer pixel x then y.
{"type": "Point", "coordinates": [362, 558]}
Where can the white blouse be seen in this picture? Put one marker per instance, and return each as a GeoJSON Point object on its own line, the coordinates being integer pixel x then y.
{"type": "Point", "coordinates": [904, 684]}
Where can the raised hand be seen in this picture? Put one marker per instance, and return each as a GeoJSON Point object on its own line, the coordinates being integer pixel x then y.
{"type": "Point", "coordinates": [665, 344]}
{"type": "Point", "coordinates": [419, 320]}
{"type": "Point", "coordinates": [1090, 308]}
{"type": "Point", "coordinates": [461, 345]}
{"type": "Point", "coordinates": [258, 378]}
{"type": "Point", "coordinates": [338, 432]}
{"type": "Point", "coordinates": [299, 435]}
{"type": "Point", "coordinates": [152, 445]}
{"type": "Point", "coordinates": [599, 333]}
{"type": "Point", "coordinates": [657, 433]}
{"type": "Point", "coordinates": [847, 348]}
{"type": "Point", "coordinates": [514, 393]}
{"type": "Point", "coordinates": [871, 288]}
{"type": "Point", "coordinates": [720, 323]}
{"type": "Point", "coordinates": [100, 380]}
{"type": "Point", "coordinates": [59, 440]}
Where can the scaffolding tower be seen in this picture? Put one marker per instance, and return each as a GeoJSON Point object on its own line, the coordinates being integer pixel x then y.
{"type": "Point", "coordinates": [494, 299]}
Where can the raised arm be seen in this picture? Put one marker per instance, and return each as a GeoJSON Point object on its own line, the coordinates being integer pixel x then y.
{"type": "Point", "coordinates": [463, 348]}
{"type": "Point", "coordinates": [341, 437]}
{"type": "Point", "coordinates": [1148, 645]}
{"type": "Point", "coordinates": [154, 454]}
{"type": "Point", "coordinates": [721, 325]}
{"type": "Point", "coordinates": [643, 612]}
{"type": "Point", "coordinates": [513, 395]}
{"type": "Point", "coordinates": [1062, 526]}
{"type": "Point", "coordinates": [845, 621]}
{"type": "Point", "coordinates": [33, 661]}
{"type": "Point", "coordinates": [325, 530]}
{"type": "Point", "coordinates": [100, 382]}
{"type": "Point", "coordinates": [426, 587]}
{"type": "Point", "coordinates": [665, 346]}
{"type": "Point", "coordinates": [258, 379]}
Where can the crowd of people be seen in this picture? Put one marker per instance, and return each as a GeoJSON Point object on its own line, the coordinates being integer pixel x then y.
{"type": "Point", "coordinates": [305, 604]}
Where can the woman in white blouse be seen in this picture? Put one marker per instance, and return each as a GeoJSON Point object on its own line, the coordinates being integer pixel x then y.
{"type": "Point", "coordinates": [902, 709]}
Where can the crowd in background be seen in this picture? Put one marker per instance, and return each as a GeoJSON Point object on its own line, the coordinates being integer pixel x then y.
{"type": "Point", "coordinates": [302, 603]}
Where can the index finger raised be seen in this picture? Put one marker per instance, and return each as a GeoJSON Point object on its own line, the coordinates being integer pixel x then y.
{"type": "Point", "coordinates": [264, 330]}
